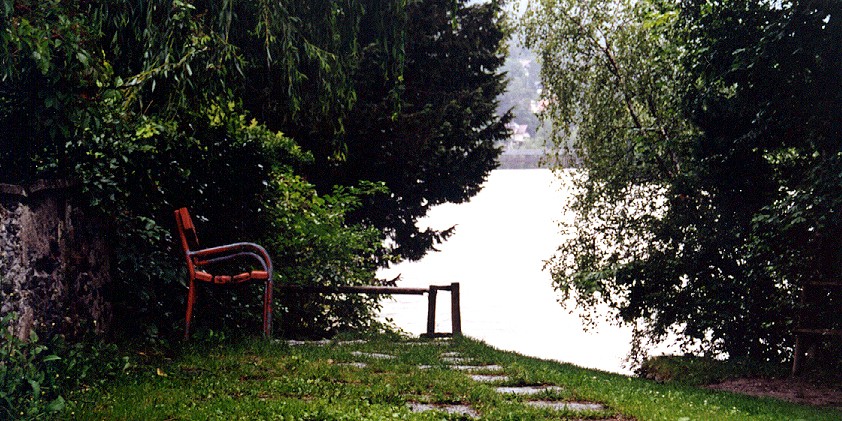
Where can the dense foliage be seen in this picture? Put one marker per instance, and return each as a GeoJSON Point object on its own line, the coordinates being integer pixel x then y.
{"type": "Point", "coordinates": [710, 139]}
{"type": "Point", "coordinates": [437, 144]}
{"type": "Point", "coordinates": [155, 105]}
{"type": "Point", "coordinates": [766, 98]}
{"type": "Point", "coordinates": [143, 102]}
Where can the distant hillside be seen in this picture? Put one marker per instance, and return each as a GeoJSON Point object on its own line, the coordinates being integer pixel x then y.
{"type": "Point", "coordinates": [519, 159]}
{"type": "Point", "coordinates": [523, 98]}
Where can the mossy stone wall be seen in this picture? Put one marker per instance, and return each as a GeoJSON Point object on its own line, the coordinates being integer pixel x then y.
{"type": "Point", "coordinates": [54, 261]}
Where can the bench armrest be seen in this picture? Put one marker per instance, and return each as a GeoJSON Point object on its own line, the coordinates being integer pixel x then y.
{"type": "Point", "coordinates": [231, 251]}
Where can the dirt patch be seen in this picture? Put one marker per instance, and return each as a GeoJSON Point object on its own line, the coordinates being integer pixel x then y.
{"type": "Point", "coordinates": [792, 390]}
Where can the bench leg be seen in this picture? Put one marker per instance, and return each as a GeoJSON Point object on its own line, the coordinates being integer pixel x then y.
{"type": "Point", "coordinates": [267, 309]}
{"type": "Point", "coordinates": [191, 301]}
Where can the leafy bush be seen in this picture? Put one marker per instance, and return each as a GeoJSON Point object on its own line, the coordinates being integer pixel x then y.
{"type": "Point", "coordinates": [36, 375]}
{"type": "Point", "coordinates": [27, 388]}
{"type": "Point", "coordinates": [314, 245]}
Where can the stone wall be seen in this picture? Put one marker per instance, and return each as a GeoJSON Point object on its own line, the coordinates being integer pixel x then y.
{"type": "Point", "coordinates": [54, 261]}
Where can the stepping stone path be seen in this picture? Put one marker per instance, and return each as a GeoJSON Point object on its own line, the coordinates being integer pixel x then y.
{"type": "Point", "coordinates": [457, 362]}
{"type": "Point", "coordinates": [449, 408]}
{"type": "Point", "coordinates": [527, 390]}
{"type": "Point", "coordinates": [373, 355]}
{"type": "Point", "coordinates": [574, 406]}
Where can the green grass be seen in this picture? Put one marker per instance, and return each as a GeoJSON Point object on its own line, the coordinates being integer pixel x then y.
{"type": "Point", "coordinates": [272, 380]}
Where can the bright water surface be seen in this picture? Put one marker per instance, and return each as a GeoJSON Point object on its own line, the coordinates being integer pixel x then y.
{"type": "Point", "coordinates": [502, 237]}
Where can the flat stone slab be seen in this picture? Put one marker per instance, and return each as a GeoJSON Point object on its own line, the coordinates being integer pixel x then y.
{"type": "Point", "coordinates": [451, 354]}
{"type": "Point", "coordinates": [457, 409]}
{"type": "Point", "coordinates": [474, 368]}
{"type": "Point", "coordinates": [372, 355]}
{"type": "Point", "coordinates": [569, 406]}
{"type": "Point", "coordinates": [352, 342]}
{"type": "Point", "coordinates": [357, 365]}
{"type": "Point", "coordinates": [323, 342]}
{"type": "Point", "coordinates": [299, 343]}
{"type": "Point", "coordinates": [489, 378]}
{"type": "Point", "coordinates": [437, 342]}
{"type": "Point", "coordinates": [455, 360]}
{"type": "Point", "coordinates": [527, 390]}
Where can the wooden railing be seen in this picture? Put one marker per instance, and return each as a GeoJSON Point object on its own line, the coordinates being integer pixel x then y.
{"type": "Point", "coordinates": [432, 294]}
{"type": "Point", "coordinates": [807, 332]}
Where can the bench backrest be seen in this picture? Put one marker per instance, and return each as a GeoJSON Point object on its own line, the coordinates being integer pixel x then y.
{"type": "Point", "coordinates": [186, 233]}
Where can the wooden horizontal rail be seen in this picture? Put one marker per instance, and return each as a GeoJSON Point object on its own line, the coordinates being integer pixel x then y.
{"type": "Point", "coordinates": [348, 289]}
{"type": "Point", "coordinates": [436, 335]}
{"type": "Point", "coordinates": [455, 310]}
{"type": "Point", "coordinates": [828, 332]}
{"type": "Point", "coordinates": [825, 284]}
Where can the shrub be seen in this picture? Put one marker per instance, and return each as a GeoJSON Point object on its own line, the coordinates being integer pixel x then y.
{"type": "Point", "coordinates": [315, 245]}
{"type": "Point", "coordinates": [27, 388]}
{"type": "Point", "coordinates": [36, 374]}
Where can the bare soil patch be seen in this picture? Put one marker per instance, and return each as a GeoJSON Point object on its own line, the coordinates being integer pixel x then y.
{"type": "Point", "coordinates": [792, 390]}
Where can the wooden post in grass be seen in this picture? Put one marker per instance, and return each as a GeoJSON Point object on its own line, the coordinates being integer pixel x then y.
{"type": "Point", "coordinates": [431, 312]}
{"type": "Point", "coordinates": [455, 312]}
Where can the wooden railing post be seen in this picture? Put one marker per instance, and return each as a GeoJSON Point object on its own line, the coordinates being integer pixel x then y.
{"type": "Point", "coordinates": [455, 311]}
{"type": "Point", "coordinates": [431, 312]}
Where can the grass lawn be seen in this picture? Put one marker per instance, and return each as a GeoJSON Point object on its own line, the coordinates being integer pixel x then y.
{"type": "Point", "coordinates": [275, 380]}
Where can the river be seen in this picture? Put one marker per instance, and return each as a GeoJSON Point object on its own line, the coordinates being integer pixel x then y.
{"type": "Point", "coordinates": [502, 237]}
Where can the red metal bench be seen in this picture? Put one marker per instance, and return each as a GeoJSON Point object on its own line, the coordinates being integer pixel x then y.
{"type": "Point", "coordinates": [198, 259]}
